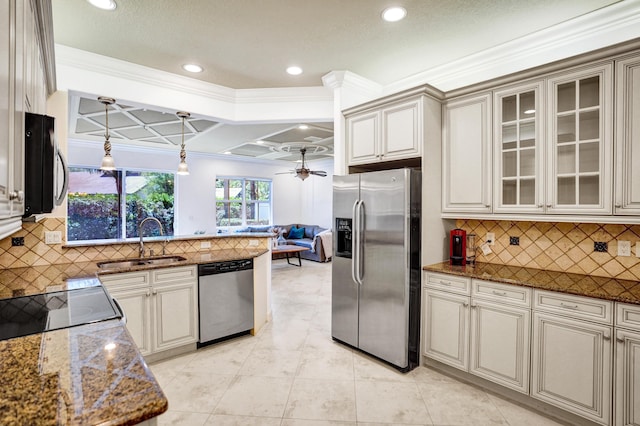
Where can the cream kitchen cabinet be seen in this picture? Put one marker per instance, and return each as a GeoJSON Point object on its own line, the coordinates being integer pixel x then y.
{"type": "Point", "coordinates": [11, 116]}
{"type": "Point", "coordinates": [467, 155]}
{"type": "Point", "coordinates": [501, 334]}
{"type": "Point", "coordinates": [627, 143]}
{"type": "Point", "coordinates": [627, 376]}
{"type": "Point", "coordinates": [446, 319]}
{"type": "Point", "coordinates": [579, 140]}
{"type": "Point", "coordinates": [518, 149]}
{"type": "Point", "coordinates": [391, 132]}
{"type": "Point", "coordinates": [160, 306]}
{"type": "Point", "coordinates": [571, 356]}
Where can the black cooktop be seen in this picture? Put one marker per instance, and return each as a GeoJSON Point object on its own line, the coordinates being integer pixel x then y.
{"type": "Point", "coordinates": [21, 316]}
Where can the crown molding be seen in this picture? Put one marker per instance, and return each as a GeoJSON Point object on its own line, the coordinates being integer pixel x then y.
{"type": "Point", "coordinates": [104, 65]}
{"type": "Point", "coordinates": [604, 27]}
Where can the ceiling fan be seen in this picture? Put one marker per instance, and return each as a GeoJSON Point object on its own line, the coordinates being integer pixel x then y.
{"type": "Point", "coordinates": [303, 172]}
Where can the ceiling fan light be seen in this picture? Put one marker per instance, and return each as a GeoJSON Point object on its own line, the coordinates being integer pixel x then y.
{"type": "Point", "coordinates": [104, 4]}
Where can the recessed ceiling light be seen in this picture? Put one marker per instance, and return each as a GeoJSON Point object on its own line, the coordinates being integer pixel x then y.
{"type": "Point", "coordinates": [303, 127]}
{"type": "Point", "coordinates": [192, 68]}
{"type": "Point", "coordinates": [294, 70]}
{"type": "Point", "coordinates": [104, 4]}
{"type": "Point", "coordinates": [394, 14]}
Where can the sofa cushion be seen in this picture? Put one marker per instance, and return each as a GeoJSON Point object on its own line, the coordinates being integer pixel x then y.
{"type": "Point", "coordinates": [304, 243]}
{"type": "Point", "coordinates": [295, 233]}
{"type": "Point", "coordinates": [310, 231]}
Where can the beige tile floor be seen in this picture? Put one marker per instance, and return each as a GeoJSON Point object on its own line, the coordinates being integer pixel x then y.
{"type": "Point", "coordinates": [293, 374]}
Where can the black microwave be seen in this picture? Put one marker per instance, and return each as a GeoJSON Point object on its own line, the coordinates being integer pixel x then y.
{"type": "Point", "coordinates": [45, 170]}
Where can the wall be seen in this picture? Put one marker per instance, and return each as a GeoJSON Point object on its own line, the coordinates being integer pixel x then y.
{"type": "Point", "coordinates": [293, 199]}
{"type": "Point", "coordinates": [566, 247]}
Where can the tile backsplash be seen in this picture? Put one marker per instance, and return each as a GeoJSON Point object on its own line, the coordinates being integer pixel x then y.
{"type": "Point", "coordinates": [565, 247]}
{"type": "Point", "coordinates": [35, 252]}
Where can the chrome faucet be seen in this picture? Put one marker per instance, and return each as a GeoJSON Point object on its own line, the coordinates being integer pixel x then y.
{"type": "Point", "coordinates": [142, 222]}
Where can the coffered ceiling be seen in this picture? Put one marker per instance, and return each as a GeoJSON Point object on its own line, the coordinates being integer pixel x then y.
{"type": "Point", "coordinates": [144, 125]}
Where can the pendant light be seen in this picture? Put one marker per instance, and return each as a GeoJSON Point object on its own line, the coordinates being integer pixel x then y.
{"type": "Point", "coordinates": [107, 160]}
{"type": "Point", "coordinates": [182, 167]}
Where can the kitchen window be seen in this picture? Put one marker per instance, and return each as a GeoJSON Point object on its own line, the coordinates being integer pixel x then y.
{"type": "Point", "coordinates": [243, 202]}
{"type": "Point", "coordinates": [108, 205]}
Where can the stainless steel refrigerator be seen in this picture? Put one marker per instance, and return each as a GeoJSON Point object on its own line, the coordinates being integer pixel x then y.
{"type": "Point", "coordinates": [376, 264]}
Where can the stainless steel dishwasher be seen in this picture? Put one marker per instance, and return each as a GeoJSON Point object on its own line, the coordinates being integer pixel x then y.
{"type": "Point", "coordinates": [225, 300]}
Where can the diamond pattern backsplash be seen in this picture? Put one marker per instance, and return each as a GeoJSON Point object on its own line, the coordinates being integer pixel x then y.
{"type": "Point", "coordinates": [563, 247]}
{"type": "Point", "coordinates": [35, 252]}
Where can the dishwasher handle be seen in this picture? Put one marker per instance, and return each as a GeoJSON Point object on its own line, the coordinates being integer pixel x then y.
{"type": "Point", "coordinates": [224, 267]}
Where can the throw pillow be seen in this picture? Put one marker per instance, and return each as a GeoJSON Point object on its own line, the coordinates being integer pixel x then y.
{"type": "Point", "coordinates": [295, 233]}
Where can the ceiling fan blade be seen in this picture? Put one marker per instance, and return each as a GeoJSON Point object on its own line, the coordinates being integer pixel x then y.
{"type": "Point", "coordinates": [320, 173]}
{"type": "Point", "coordinates": [290, 172]}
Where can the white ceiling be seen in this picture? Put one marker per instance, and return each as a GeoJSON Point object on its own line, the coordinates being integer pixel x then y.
{"type": "Point", "coordinates": [248, 44]}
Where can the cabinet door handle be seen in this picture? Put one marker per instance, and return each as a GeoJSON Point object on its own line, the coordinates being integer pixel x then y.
{"type": "Point", "coordinates": [606, 335]}
{"type": "Point", "coordinates": [154, 292]}
{"type": "Point", "coordinates": [148, 293]}
{"type": "Point", "coordinates": [465, 304]}
{"type": "Point", "coordinates": [548, 206]}
{"type": "Point", "coordinates": [618, 205]}
{"type": "Point", "coordinates": [499, 293]}
{"type": "Point", "coordinates": [447, 283]}
{"type": "Point", "coordinates": [564, 305]}
{"type": "Point", "coordinates": [619, 339]}
{"type": "Point", "coordinates": [540, 206]}
{"type": "Point", "coordinates": [487, 205]}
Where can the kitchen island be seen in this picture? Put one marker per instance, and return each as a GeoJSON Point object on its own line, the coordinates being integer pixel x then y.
{"type": "Point", "coordinates": [94, 373]}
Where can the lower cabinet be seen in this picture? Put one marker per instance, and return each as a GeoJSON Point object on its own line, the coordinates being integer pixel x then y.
{"type": "Point", "coordinates": [446, 328]}
{"type": "Point", "coordinates": [572, 353]}
{"type": "Point", "coordinates": [627, 377]}
{"type": "Point", "coordinates": [500, 336]}
{"type": "Point", "coordinates": [160, 306]}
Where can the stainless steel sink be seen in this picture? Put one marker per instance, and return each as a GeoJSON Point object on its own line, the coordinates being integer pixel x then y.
{"type": "Point", "coordinates": [128, 263]}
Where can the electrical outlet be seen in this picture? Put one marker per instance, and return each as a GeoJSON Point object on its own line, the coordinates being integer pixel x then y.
{"type": "Point", "coordinates": [514, 241]}
{"type": "Point", "coordinates": [17, 241]}
{"type": "Point", "coordinates": [53, 237]}
{"type": "Point", "coordinates": [624, 248]}
{"type": "Point", "coordinates": [205, 244]}
{"type": "Point", "coordinates": [491, 238]}
{"type": "Point", "coordinates": [253, 243]}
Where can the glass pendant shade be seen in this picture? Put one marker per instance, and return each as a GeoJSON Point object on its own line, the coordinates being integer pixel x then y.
{"type": "Point", "coordinates": [183, 169]}
{"type": "Point", "coordinates": [107, 163]}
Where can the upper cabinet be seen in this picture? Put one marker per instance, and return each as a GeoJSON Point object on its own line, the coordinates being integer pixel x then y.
{"type": "Point", "coordinates": [580, 138]}
{"type": "Point", "coordinates": [627, 151]}
{"type": "Point", "coordinates": [389, 132]}
{"type": "Point", "coordinates": [551, 146]}
{"type": "Point", "coordinates": [26, 42]}
{"type": "Point", "coordinates": [518, 150]}
{"type": "Point", "coordinates": [466, 155]}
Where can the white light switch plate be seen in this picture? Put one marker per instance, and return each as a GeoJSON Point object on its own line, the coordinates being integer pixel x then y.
{"type": "Point", "coordinates": [205, 244]}
{"type": "Point", "coordinates": [253, 243]}
{"type": "Point", "coordinates": [638, 249]}
{"type": "Point", "coordinates": [624, 248]}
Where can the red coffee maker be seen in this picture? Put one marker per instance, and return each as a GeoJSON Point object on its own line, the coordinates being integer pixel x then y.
{"type": "Point", "coordinates": [458, 247]}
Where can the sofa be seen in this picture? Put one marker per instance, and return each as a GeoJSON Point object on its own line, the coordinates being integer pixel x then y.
{"type": "Point", "coordinates": [309, 240]}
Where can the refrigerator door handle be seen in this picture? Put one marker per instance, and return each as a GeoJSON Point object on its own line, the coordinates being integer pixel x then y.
{"type": "Point", "coordinates": [360, 273]}
{"type": "Point", "coordinates": [354, 259]}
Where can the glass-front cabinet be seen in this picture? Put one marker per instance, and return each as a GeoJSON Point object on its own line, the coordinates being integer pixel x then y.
{"type": "Point", "coordinates": [579, 139]}
{"type": "Point", "coordinates": [519, 184]}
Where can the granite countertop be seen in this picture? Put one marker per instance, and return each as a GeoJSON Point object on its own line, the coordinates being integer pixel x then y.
{"type": "Point", "coordinates": [565, 282]}
{"type": "Point", "coordinates": [91, 374]}
{"type": "Point", "coordinates": [16, 282]}
{"type": "Point", "coordinates": [70, 376]}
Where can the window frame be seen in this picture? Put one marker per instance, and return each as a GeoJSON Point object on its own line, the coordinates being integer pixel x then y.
{"type": "Point", "coordinates": [122, 208]}
{"type": "Point", "coordinates": [244, 201]}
